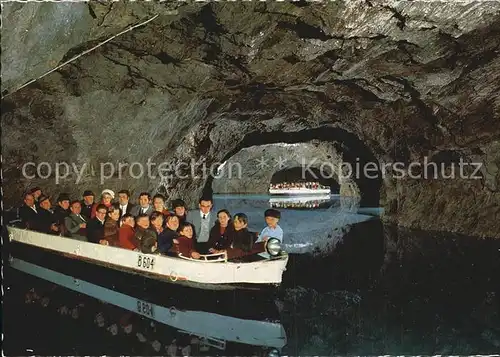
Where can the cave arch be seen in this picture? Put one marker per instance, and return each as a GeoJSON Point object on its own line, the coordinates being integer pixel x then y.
{"type": "Point", "coordinates": [354, 151]}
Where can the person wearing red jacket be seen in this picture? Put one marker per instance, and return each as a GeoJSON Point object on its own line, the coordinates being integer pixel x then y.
{"type": "Point", "coordinates": [126, 233]}
{"type": "Point", "coordinates": [184, 243]}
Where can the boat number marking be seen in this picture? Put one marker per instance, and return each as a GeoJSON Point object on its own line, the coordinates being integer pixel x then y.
{"type": "Point", "coordinates": [145, 308]}
{"type": "Point", "coordinates": [145, 261]}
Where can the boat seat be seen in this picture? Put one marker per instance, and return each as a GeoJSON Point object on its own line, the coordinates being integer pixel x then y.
{"type": "Point", "coordinates": [204, 258]}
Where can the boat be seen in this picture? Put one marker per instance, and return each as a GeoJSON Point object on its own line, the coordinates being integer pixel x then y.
{"type": "Point", "coordinates": [212, 272]}
{"type": "Point", "coordinates": [296, 191]}
{"type": "Point", "coordinates": [215, 330]}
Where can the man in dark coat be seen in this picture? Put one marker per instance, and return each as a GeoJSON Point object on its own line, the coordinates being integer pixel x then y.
{"type": "Point", "coordinates": [95, 226]}
{"type": "Point", "coordinates": [48, 221]}
{"type": "Point", "coordinates": [87, 203]}
{"type": "Point", "coordinates": [29, 213]}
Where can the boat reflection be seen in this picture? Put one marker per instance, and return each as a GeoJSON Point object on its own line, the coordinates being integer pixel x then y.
{"type": "Point", "coordinates": [204, 331]}
{"type": "Point", "coordinates": [300, 202]}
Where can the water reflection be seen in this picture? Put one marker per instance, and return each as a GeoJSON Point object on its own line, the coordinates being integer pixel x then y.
{"type": "Point", "coordinates": [305, 230]}
{"type": "Point", "coordinates": [300, 202]}
{"type": "Point", "coordinates": [184, 331]}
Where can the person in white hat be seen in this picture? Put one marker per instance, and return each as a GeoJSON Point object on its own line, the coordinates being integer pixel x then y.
{"type": "Point", "coordinates": [107, 197]}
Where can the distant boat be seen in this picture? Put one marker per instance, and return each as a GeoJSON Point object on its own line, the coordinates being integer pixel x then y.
{"type": "Point", "coordinates": [300, 199]}
{"type": "Point", "coordinates": [299, 191]}
{"type": "Point", "coordinates": [214, 273]}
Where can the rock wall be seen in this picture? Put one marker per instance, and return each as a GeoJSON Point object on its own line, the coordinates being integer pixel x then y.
{"type": "Point", "coordinates": [389, 82]}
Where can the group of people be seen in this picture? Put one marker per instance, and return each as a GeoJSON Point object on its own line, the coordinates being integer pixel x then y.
{"type": "Point", "coordinates": [149, 226]}
{"type": "Point", "coordinates": [296, 185]}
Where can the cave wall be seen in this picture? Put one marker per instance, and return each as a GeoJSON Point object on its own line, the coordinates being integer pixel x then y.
{"type": "Point", "coordinates": [409, 80]}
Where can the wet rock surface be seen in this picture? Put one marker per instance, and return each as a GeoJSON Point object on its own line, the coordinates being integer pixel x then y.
{"type": "Point", "coordinates": [393, 81]}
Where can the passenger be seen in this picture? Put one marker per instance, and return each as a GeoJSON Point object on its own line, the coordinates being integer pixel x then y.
{"type": "Point", "coordinates": [156, 225]}
{"type": "Point", "coordinates": [243, 241]}
{"type": "Point", "coordinates": [202, 220]}
{"type": "Point", "coordinates": [159, 204]}
{"type": "Point", "coordinates": [144, 206]}
{"type": "Point", "coordinates": [145, 236]}
{"type": "Point", "coordinates": [29, 213]}
{"type": "Point", "coordinates": [166, 240]}
{"type": "Point", "coordinates": [76, 225]}
{"type": "Point", "coordinates": [111, 226]}
{"type": "Point", "coordinates": [36, 192]}
{"type": "Point", "coordinates": [222, 233]}
{"type": "Point", "coordinates": [87, 203]}
{"type": "Point", "coordinates": [272, 230]}
{"type": "Point", "coordinates": [185, 242]}
{"type": "Point", "coordinates": [107, 196]}
{"type": "Point", "coordinates": [124, 200]}
{"type": "Point", "coordinates": [61, 211]}
{"type": "Point", "coordinates": [126, 233]}
{"type": "Point", "coordinates": [179, 208]}
{"type": "Point", "coordinates": [48, 222]}
{"type": "Point", "coordinates": [95, 226]}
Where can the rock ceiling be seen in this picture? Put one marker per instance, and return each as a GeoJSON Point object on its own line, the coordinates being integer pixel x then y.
{"type": "Point", "coordinates": [394, 81]}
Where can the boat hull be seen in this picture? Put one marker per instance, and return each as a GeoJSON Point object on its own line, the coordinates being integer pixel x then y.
{"type": "Point", "coordinates": [299, 192]}
{"type": "Point", "coordinates": [197, 322]}
{"type": "Point", "coordinates": [212, 276]}
{"type": "Point", "coordinates": [224, 301]}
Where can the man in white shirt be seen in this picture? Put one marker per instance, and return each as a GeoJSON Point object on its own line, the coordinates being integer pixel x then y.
{"type": "Point", "coordinates": [144, 206]}
{"type": "Point", "coordinates": [124, 200]}
{"type": "Point", "coordinates": [203, 220]}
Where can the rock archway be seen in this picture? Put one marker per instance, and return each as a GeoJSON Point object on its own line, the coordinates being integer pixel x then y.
{"type": "Point", "coordinates": [402, 82]}
{"type": "Point", "coordinates": [252, 169]}
{"type": "Point", "coordinates": [327, 146]}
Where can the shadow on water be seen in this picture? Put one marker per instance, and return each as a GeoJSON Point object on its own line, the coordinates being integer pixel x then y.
{"type": "Point", "coordinates": [382, 290]}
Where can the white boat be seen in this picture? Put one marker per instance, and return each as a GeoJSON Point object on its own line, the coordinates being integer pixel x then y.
{"type": "Point", "coordinates": [300, 199]}
{"type": "Point", "coordinates": [214, 328]}
{"type": "Point", "coordinates": [212, 272]}
{"type": "Point", "coordinates": [299, 191]}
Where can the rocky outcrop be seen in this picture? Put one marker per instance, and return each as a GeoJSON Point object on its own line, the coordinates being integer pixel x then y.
{"type": "Point", "coordinates": [388, 82]}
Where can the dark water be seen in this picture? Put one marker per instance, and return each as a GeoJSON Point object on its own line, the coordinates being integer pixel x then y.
{"type": "Point", "coordinates": [380, 291]}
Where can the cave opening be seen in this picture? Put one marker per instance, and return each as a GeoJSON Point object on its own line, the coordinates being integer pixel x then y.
{"type": "Point", "coordinates": [354, 151]}
{"type": "Point", "coordinates": [298, 174]}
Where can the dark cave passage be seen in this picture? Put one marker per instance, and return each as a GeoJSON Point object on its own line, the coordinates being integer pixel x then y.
{"type": "Point", "coordinates": [353, 150]}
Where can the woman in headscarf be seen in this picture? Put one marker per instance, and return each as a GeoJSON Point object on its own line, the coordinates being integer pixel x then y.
{"type": "Point", "coordinates": [107, 197]}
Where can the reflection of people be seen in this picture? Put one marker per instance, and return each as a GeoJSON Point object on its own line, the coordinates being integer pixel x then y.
{"type": "Point", "coordinates": [273, 230]}
{"type": "Point", "coordinates": [183, 346]}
